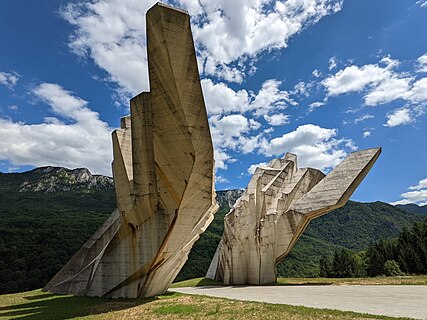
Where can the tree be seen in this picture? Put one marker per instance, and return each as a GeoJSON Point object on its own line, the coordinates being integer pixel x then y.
{"type": "Point", "coordinates": [391, 268]}
{"type": "Point", "coordinates": [325, 266]}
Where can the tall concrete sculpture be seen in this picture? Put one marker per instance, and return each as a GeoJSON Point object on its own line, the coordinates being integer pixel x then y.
{"type": "Point", "coordinates": [163, 173]}
{"type": "Point", "coordinates": [276, 207]}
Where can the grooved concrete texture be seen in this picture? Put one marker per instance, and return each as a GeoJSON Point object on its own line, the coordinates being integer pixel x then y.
{"type": "Point", "coordinates": [394, 301]}
{"type": "Point", "coordinates": [273, 212]}
{"type": "Point", "coordinates": [163, 173]}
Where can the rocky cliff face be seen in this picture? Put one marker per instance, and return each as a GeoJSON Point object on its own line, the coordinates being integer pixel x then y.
{"type": "Point", "coordinates": [53, 179]}
{"type": "Point", "coordinates": [227, 198]}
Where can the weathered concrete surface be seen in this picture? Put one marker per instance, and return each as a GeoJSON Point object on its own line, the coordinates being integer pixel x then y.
{"type": "Point", "coordinates": [163, 173]}
{"type": "Point", "coordinates": [276, 207]}
{"type": "Point", "coordinates": [394, 301]}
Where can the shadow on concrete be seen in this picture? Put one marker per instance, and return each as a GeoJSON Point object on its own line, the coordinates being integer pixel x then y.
{"type": "Point", "coordinates": [60, 307]}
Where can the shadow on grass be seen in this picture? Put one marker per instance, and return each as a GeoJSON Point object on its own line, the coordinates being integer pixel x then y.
{"type": "Point", "coordinates": [208, 282]}
{"type": "Point", "coordinates": [60, 307]}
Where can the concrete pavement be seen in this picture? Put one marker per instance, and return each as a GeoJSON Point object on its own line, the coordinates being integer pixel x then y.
{"type": "Point", "coordinates": [390, 300]}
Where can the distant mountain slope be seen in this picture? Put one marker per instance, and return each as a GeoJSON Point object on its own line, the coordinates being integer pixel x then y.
{"type": "Point", "coordinates": [356, 224]}
{"type": "Point", "coordinates": [51, 179]}
{"type": "Point", "coordinates": [48, 213]}
{"type": "Point", "coordinates": [412, 207]}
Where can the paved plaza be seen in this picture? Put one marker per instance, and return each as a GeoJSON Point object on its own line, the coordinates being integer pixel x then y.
{"type": "Point", "coordinates": [390, 300]}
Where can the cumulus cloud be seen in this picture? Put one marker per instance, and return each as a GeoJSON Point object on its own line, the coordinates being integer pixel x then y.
{"type": "Point", "coordinates": [354, 78]}
{"type": "Point", "coordinates": [381, 82]}
{"type": "Point", "coordinates": [221, 99]}
{"type": "Point", "coordinates": [315, 105]}
{"type": "Point", "coordinates": [388, 90]}
{"type": "Point", "coordinates": [422, 62]}
{"type": "Point", "coordinates": [252, 167]}
{"type": "Point", "coordinates": [233, 132]}
{"type": "Point", "coordinates": [315, 146]}
{"type": "Point", "coordinates": [85, 142]}
{"type": "Point", "coordinates": [8, 79]}
{"type": "Point", "coordinates": [422, 3]}
{"type": "Point", "coordinates": [399, 117]}
{"type": "Point", "coordinates": [332, 63]}
{"type": "Point", "coordinates": [366, 134]}
{"type": "Point", "coordinates": [363, 118]}
{"type": "Point", "coordinates": [227, 33]}
{"type": "Point", "coordinates": [422, 184]}
{"type": "Point", "coordinates": [112, 34]}
{"type": "Point", "coordinates": [316, 73]}
{"type": "Point", "coordinates": [417, 196]}
{"type": "Point", "coordinates": [221, 179]}
{"type": "Point", "coordinates": [277, 119]}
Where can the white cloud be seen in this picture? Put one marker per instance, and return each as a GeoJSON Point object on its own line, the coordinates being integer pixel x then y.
{"type": "Point", "coordinates": [277, 119]}
{"type": "Point", "coordinates": [388, 90]}
{"type": "Point", "coordinates": [351, 110]}
{"type": "Point", "coordinates": [314, 105]}
{"type": "Point", "coordinates": [315, 146]}
{"type": "Point", "coordinates": [421, 185]}
{"type": "Point", "coordinates": [84, 143]}
{"type": "Point", "coordinates": [381, 84]}
{"type": "Point", "coordinates": [316, 73]}
{"type": "Point", "coordinates": [228, 31]}
{"type": "Point", "coordinates": [303, 88]}
{"type": "Point", "coordinates": [332, 63]}
{"type": "Point", "coordinates": [366, 134]}
{"type": "Point", "coordinates": [422, 62]}
{"type": "Point", "coordinates": [399, 117]}
{"type": "Point", "coordinates": [221, 157]}
{"type": "Point", "coordinates": [363, 118]}
{"type": "Point", "coordinates": [252, 167]}
{"type": "Point", "coordinates": [221, 179]}
{"type": "Point", "coordinates": [418, 196]}
{"type": "Point", "coordinates": [221, 99]}
{"type": "Point", "coordinates": [112, 33]}
{"type": "Point", "coordinates": [422, 3]}
{"type": "Point", "coordinates": [227, 34]}
{"type": "Point", "coordinates": [8, 79]}
{"type": "Point", "coordinates": [418, 92]}
{"type": "Point", "coordinates": [233, 132]}
{"type": "Point", "coordinates": [354, 78]}
{"type": "Point", "coordinates": [270, 98]}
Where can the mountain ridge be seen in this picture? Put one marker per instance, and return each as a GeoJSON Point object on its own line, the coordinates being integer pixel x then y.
{"type": "Point", "coordinates": [412, 207]}
{"type": "Point", "coordinates": [41, 228]}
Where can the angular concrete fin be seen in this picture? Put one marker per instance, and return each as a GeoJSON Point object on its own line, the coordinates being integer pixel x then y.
{"type": "Point", "coordinates": [144, 167]}
{"type": "Point", "coordinates": [122, 167]}
{"type": "Point", "coordinates": [174, 153]}
{"type": "Point", "coordinates": [335, 189]}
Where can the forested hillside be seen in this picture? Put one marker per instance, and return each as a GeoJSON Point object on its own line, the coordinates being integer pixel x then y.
{"type": "Point", "coordinates": [412, 207]}
{"type": "Point", "coordinates": [48, 213]}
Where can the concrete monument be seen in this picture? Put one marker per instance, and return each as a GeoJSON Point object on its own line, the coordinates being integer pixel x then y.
{"type": "Point", "coordinates": [276, 207]}
{"type": "Point", "coordinates": [163, 173]}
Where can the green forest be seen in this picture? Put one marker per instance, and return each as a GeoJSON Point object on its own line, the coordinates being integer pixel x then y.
{"type": "Point", "coordinates": [40, 231]}
{"type": "Point", "coordinates": [406, 254]}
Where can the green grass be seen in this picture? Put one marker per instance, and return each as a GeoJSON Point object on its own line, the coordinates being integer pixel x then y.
{"type": "Point", "coordinates": [35, 305]}
{"type": "Point", "coordinates": [196, 282]}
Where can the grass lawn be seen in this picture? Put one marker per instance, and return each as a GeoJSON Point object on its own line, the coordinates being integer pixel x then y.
{"type": "Point", "coordinates": [401, 280]}
{"type": "Point", "coordinates": [37, 305]}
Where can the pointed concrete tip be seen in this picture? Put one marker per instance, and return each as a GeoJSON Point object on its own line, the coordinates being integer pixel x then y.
{"type": "Point", "coordinates": [164, 5]}
{"type": "Point", "coordinates": [376, 150]}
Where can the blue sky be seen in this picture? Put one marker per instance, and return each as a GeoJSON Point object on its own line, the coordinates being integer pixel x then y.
{"type": "Point", "coordinates": [319, 78]}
